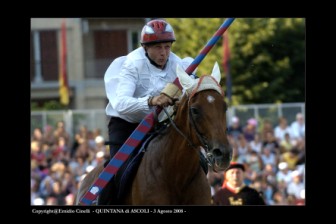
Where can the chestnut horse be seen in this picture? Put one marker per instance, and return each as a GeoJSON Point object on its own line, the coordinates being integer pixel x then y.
{"type": "Point", "coordinates": [170, 171]}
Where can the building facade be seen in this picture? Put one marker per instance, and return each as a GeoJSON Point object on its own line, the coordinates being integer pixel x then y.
{"type": "Point", "coordinates": [92, 44]}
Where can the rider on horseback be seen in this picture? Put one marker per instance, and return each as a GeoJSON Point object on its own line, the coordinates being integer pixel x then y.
{"type": "Point", "coordinates": [143, 79]}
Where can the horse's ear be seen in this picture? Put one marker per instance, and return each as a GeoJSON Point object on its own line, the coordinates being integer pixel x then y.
{"type": "Point", "coordinates": [186, 81]}
{"type": "Point", "coordinates": [216, 72]}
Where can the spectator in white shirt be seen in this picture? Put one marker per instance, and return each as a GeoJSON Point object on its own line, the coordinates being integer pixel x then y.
{"type": "Point", "coordinates": [298, 127]}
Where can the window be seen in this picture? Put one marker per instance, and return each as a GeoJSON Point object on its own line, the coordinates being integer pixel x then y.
{"type": "Point", "coordinates": [135, 40]}
{"type": "Point", "coordinates": [44, 56]}
{"type": "Point", "coordinates": [108, 45]}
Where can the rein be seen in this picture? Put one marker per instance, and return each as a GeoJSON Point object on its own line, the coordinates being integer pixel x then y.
{"type": "Point", "coordinates": [200, 137]}
{"type": "Point", "coordinates": [207, 155]}
{"type": "Point", "coordinates": [178, 130]}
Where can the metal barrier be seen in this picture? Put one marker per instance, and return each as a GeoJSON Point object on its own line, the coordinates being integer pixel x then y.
{"type": "Point", "coordinates": [74, 119]}
{"type": "Point", "coordinates": [271, 112]}
{"type": "Point", "coordinates": [97, 119]}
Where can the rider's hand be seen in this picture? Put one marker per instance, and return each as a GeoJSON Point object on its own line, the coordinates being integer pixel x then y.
{"type": "Point", "coordinates": [162, 100]}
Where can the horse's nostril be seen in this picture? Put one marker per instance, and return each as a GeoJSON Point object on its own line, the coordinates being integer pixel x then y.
{"type": "Point", "coordinates": [217, 152]}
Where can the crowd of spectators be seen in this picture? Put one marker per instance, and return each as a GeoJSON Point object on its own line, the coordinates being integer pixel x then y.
{"type": "Point", "coordinates": [58, 163]}
{"type": "Point", "coordinates": [274, 159]}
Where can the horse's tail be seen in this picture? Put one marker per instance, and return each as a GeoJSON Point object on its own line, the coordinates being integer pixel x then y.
{"type": "Point", "coordinates": [86, 183]}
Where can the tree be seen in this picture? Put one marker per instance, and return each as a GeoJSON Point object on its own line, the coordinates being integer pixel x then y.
{"type": "Point", "coordinates": [267, 55]}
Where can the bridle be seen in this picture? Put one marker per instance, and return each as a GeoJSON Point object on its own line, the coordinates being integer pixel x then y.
{"type": "Point", "coordinates": [202, 138]}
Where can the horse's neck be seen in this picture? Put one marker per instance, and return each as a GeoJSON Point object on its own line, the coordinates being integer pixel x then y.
{"type": "Point", "coordinates": [179, 150]}
{"type": "Point", "coordinates": [177, 145]}
{"type": "Point", "coordinates": [179, 158]}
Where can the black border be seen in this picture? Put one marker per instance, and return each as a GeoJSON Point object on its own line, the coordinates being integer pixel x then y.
{"type": "Point", "coordinates": [315, 84]}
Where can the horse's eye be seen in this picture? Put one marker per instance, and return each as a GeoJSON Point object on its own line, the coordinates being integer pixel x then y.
{"type": "Point", "coordinates": [194, 111]}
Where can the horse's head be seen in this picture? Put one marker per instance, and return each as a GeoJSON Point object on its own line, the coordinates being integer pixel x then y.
{"type": "Point", "coordinates": [204, 102]}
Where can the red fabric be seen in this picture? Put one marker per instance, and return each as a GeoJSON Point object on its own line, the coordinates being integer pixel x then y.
{"type": "Point", "coordinates": [63, 80]}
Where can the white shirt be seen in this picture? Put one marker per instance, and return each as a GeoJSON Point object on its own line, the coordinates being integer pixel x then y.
{"type": "Point", "coordinates": [298, 130]}
{"type": "Point", "coordinates": [130, 80]}
{"type": "Point", "coordinates": [279, 133]}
